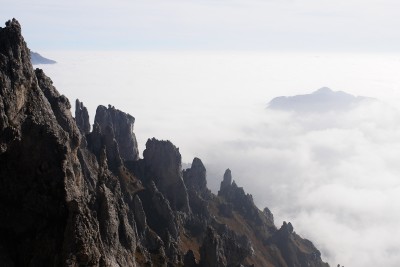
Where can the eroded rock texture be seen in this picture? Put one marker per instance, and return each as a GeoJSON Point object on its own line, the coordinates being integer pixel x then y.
{"type": "Point", "coordinates": [82, 117]}
{"type": "Point", "coordinates": [60, 206]}
{"type": "Point", "coordinates": [74, 197]}
{"type": "Point", "coordinates": [164, 166]}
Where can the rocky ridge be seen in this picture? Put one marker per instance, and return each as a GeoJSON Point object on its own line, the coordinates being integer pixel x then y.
{"type": "Point", "coordinates": [72, 196]}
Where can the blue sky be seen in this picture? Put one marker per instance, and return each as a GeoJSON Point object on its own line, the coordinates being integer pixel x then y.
{"type": "Point", "coordinates": [295, 25]}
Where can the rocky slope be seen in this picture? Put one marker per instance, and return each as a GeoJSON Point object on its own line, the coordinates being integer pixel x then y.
{"type": "Point", "coordinates": [72, 196]}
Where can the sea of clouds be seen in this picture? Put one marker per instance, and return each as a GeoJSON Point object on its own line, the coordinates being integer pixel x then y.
{"type": "Point", "coordinates": [335, 175]}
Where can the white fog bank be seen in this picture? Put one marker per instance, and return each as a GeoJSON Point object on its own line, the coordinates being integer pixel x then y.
{"type": "Point", "coordinates": [335, 175]}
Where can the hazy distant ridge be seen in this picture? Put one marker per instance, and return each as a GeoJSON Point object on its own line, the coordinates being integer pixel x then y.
{"type": "Point", "coordinates": [36, 59]}
{"type": "Point", "coordinates": [322, 100]}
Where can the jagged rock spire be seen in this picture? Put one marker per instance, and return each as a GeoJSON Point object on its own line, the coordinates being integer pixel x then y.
{"type": "Point", "coordinates": [120, 127]}
{"type": "Point", "coordinates": [195, 176]}
{"type": "Point", "coordinates": [226, 182]}
{"type": "Point", "coordinates": [82, 117]}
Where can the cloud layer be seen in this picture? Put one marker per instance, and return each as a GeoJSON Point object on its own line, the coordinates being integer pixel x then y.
{"type": "Point", "coordinates": [334, 175]}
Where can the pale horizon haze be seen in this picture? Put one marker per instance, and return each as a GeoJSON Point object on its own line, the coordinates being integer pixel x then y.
{"type": "Point", "coordinates": [262, 25]}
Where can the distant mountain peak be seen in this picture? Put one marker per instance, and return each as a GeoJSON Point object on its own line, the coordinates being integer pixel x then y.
{"type": "Point", "coordinates": [322, 100]}
{"type": "Point", "coordinates": [37, 58]}
{"type": "Point", "coordinates": [324, 90]}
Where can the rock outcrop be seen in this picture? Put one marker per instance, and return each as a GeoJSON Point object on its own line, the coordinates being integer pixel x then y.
{"type": "Point", "coordinates": [74, 197]}
{"type": "Point", "coordinates": [222, 247]}
{"type": "Point", "coordinates": [118, 126]}
{"type": "Point", "coordinates": [240, 201]}
{"type": "Point", "coordinates": [295, 250]}
{"type": "Point", "coordinates": [196, 183]}
{"type": "Point", "coordinates": [236, 205]}
{"type": "Point", "coordinates": [195, 177]}
{"type": "Point", "coordinates": [82, 117]}
{"type": "Point", "coordinates": [163, 165]}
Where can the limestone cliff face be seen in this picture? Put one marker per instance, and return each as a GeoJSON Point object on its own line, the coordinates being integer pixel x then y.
{"type": "Point", "coordinates": [72, 196]}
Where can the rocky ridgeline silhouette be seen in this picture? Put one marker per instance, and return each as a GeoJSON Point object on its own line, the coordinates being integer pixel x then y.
{"type": "Point", "coordinates": [72, 196]}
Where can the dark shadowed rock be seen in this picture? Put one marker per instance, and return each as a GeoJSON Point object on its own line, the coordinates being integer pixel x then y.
{"type": "Point", "coordinates": [60, 105]}
{"type": "Point", "coordinates": [212, 252]}
{"type": "Point", "coordinates": [268, 214]}
{"type": "Point", "coordinates": [59, 206]}
{"type": "Point", "coordinates": [140, 215]}
{"type": "Point", "coordinates": [189, 259]}
{"type": "Point", "coordinates": [113, 131]}
{"type": "Point", "coordinates": [196, 184]}
{"type": "Point", "coordinates": [226, 182]}
{"type": "Point", "coordinates": [118, 126]}
{"type": "Point", "coordinates": [163, 165]}
{"type": "Point", "coordinates": [222, 247]}
{"type": "Point", "coordinates": [195, 176]}
{"type": "Point", "coordinates": [295, 250]}
{"type": "Point", "coordinates": [225, 209]}
{"type": "Point", "coordinates": [82, 117]}
{"type": "Point", "coordinates": [100, 140]}
{"type": "Point", "coordinates": [239, 200]}
{"type": "Point", "coordinates": [163, 219]}
{"type": "Point", "coordinates": [36, 158]}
